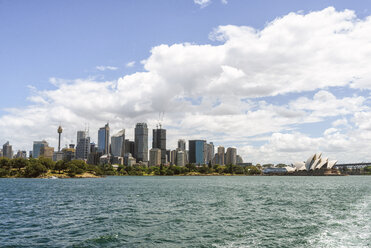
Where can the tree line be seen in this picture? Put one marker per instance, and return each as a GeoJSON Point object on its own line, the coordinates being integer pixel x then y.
{"type": "Point", "coordinates": [21, 167]}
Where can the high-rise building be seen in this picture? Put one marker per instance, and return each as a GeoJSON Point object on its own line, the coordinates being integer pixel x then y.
{"type": "Point", "coordinates": [159, 141]}
{"type": "Point", "coordinates": [181, 145]}
{"type": "Point", "coordinates": [47, 152]}
{"type": "Point", "coordinates": [221, 154]}
{"type": "Point", "coordinates": [180, 158]}
{"type": "Point", "coordinates": [103, 139]}
{"type": "Point", "coordinates": [196, 151]}
{"type": "Point", "coordinates": [231, 156]}
{"type": "Point", "coordinates": [69, 153]}
{"type": "Point", "coordinates": [82, 145]}
{"type": "Point", "coordinates": [118, 144]}
{"type": "Point", "coordinates": [141, 142]}
{"type": "Point", "coordinates": [129, 146]}
{"type": "Point", "coordinates": [172, 158]}
{"type": "Point", "coordinates": [7, 150]}
{"type": "Point", "coordinates": [154, 157]}
{"type": "Point", "coordinates": [37, 146]}
{"type": "Point", "coordinates": [209, 152]}
{"type": "Point", "coordinates": [21, 154]}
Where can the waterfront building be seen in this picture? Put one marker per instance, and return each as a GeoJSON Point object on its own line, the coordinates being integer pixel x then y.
{"type": "Point", "coordinates": [159, 141]}
{"type": "Point", "coordinates": [180, 158]}
{"type": "Point", "coordinates": [173, 154]}
{"type": "Point", "coordinates": [103, 139]}
{"type": "Point", "coordinates": [209, 152]}
{"type": "Point", "coordinates": [314, 162]}
{"type": "Point", "coordinates": [196, 151]}
{"type": "Point", "coordinates": [37, 146]}
{"type": "Point", "coordinates": [7, 150]}
{"type": "Point", "coordinates": [181, 145]}
{"type": "Point", "coordinates": [141, 142]}
{"type": "Point", "coordinates": [47, 152]}
{"type": "Point", "coordinates": [221, 154]}
{"type": "Point", "coordinates": [82, 145]}
{"type": "Point", "coordinates": [154, 157]}
{"type": "Point", "coordinates": [57, 156]}
{"type": "Point", "coordinates": [231, 156]}
{"type": "Point", "coordinates": [69, 153]}
{"type": "Point", "coordinates": [129, 146]}
{"type": "Point", "coordinates": [118, 144]}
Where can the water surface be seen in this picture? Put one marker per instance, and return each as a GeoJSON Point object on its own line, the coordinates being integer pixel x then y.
{"type": "Point", "coordinates": [186, 212]}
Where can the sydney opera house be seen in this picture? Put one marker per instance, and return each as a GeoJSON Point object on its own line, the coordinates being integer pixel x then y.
{"type": "Point", "coordinates": [314, 162]}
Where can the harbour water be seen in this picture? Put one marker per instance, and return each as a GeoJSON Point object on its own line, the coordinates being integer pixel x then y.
{"type": "Point", "coordinates": [186, 212]}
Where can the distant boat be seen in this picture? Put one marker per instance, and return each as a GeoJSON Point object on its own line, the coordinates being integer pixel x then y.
{"type": "Point", "coordinates": [53, 177]}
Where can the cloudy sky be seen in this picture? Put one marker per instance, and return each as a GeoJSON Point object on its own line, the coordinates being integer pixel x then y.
{"type": "Point", "coordinates": [279, 80]}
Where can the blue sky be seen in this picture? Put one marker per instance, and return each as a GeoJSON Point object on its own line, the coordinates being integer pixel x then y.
{"type": "Point", "coordinates": [69, 40]}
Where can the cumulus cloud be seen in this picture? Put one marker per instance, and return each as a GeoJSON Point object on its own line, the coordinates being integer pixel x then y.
{"type": "Point", "coordinates": [106, 68]}
{"type": "Point", "coordinates": [225, 93]}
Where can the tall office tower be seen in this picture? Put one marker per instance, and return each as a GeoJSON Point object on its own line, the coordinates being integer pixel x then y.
{"type": "Point", "coordinates": [181, 145]}
{"type": "Point", "coordinates": [21, 154]}
{"type": "Point", "coordinates": [141, 142]}
{"type": "Point", "coordinates": [103, 139]}
{"type": "Point", "coordinates": [82, 145]}
{"type": "Point", "coordinates": [209, 152]}
{"type": "Point", "coordinates": [172, 159]}
{"type": "Point", "coordinates": [231, 156]}
{"type": "Point", "coordinates": [37, 146]}
{"type": "Point", "coordinates": [159, 141]}
{"type": "Point", "coordinates": [221, 152]}
{"type": "Point", "coordinates": [118, 144]}
{"type": "Point", "coordinates": [129, 147]}
{"type": "Point", "coordinates": [1, 153]}
{"type": "Point", "coordinates": [180, 158]}
{"type": "Point", "coordinates": [154, 157]}
{"type": "Point", "coordinates": [7, 150]}
{"type": "Point", "coordinates": [196, 151]}
{"type": "Point", "coordinates": [239, 159]}
{"type": "Point", "coordinates": [60, 130]}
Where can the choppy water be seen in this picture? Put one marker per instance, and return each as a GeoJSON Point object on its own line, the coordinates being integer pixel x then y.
{"type": "Point", "coordinates": [186, 212]}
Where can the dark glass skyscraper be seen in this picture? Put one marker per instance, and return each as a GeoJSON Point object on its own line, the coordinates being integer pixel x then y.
{"type": "Point", "coordinates": [141, 142]}
{"type": "Point", "coordinates": [196, 151]}
{"type": "Point", "coordinates": [103, 139]}
{"type": "Point", "coordinates": [159, 141]}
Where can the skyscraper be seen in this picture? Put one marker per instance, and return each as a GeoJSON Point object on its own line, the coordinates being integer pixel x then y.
{"type": "Point", "coordinates": [37, 146]}
{"type": "Point", "coordinates": [118, 144]}
{"type": "Point", "coordinates": [180, 158]}
{"type": "Point", "coordinates": [209, 152]}
{"type": "Point", "coordinates": [82, 145]}
{"type": "Point", "coordinates": [197, 152]}
{"type": "Point", "coordinates": [181, 145]}
{"type": "Point", "coordinates": [7, 150]}
{"type": "Point", "coordinates": [231, 156]}
{"type": "Point", "coordinates": [103, 139]}
{"type": "Point", "coordinates": [221, 154]}
{"type": "Point", "coordinates": [159, 141]}
{"type": "Point", "coordinates": [141, 142]}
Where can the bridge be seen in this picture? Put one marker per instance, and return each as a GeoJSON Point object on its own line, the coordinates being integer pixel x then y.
{"type": "Point", "coordinates": [353, 165]}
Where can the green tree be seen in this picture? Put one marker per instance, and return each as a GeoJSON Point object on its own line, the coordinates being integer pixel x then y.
{"type": "Point", "coordinates": [5, 163]}
{"type": "Point", "coordinates": [47, 162]}
{"type": "Point", "coordinates": [19, 163]}
{"type": "Point", "coordinates": [34, 169]}
{"type": "Point", "coordinates": [61, 165]}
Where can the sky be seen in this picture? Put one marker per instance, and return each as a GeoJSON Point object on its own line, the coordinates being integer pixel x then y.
{"type": "Point", "coordinates": [279, 80]}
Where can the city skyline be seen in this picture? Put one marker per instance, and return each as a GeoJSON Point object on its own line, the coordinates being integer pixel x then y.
{"type": "Point", "coordinates": [274, 82]}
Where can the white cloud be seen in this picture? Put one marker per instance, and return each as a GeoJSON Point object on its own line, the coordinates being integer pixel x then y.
{"type": "Point", "coordinates": [224, 1]}
{"type": "Point", "coordinates": [202, 3]}
{"type": "Point", "coordinates": [130, 64]}
{"type": "Point", "coordinates": [210, 91]}
{"type": "Point", "coordinates": [106, 68]}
